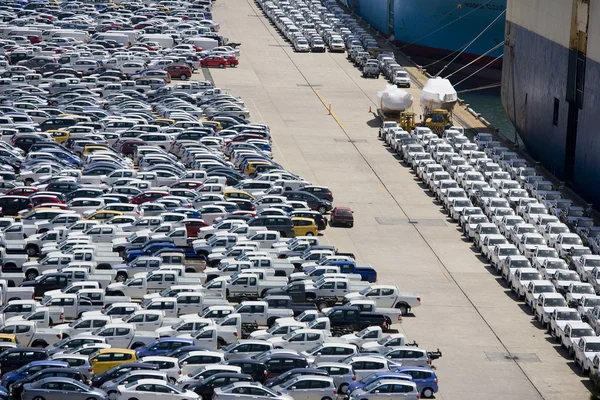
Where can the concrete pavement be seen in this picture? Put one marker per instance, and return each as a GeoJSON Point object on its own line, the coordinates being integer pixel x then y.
{"type": "Point", "coordinates": [491, 348]}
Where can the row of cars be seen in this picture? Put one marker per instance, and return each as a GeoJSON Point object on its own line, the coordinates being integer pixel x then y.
{"type": "Point", "coordinates": [151, 247]}
{"type": "Point", "coordinates": [530, 234]}
{"type": "Point", "coordinates": [308, 25]}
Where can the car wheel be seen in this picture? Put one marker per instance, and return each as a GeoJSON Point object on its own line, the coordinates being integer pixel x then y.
{"type": "Point", "coordinates": [28, 182]}
{"type": "Point", "coordinates": [427, 393]}
{"type": "Point", "coordinates": [322, 209]}
{"type": "Point", "coordinates": [322, 305]}
{"type": "Point", "coordinates": [221, 65]}
{"type": "Point", "coordinates": [403, 309]}
{"type": "Point", "coordinates": [183, 77]}
{"type": "Point", "coordinates": [112, 394]}
{"type": "Point", "coordinates": [343, 389]}
{"type": "Point", "coordinates": [309, 234]}
{"type": "Point", "coordinates": [232, 65]}
{"type": "Point", "coordinates": [38, 398]}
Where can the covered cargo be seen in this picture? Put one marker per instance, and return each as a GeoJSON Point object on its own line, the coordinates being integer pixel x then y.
{"type": "Point", "coordinates": [438, 94]}
{"type": "Point", "coordinates": [393, 100]}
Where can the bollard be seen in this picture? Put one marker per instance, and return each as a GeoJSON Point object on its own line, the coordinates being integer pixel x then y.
{"type": "Point", "coordinates": [370, 110]}
{"type": "Point", "coordinates": [329, 110]}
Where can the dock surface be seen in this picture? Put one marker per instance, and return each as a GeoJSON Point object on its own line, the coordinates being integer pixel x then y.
{"type": "Point", "coordinates": [492, 348]}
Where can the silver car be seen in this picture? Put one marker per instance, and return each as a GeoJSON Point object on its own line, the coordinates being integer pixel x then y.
{"type": "Point", "coordinates": [408, 356]}
{"type": "Point", "coordinates": [309, 387]}
{"type": "Point", "coordinates": [343, 374]}
{"type": "Point", "coordinates": [387, 389]}
{"type": "Point", "coordinates": [58, 388]}
{"type": "Point", "coordinates": [330, 352]}
{"type": "Point", "coordinates": [80, 362]}
{"type": "Point", "coordinates": [249, 391]}
{"type": "Point", "coordinates": [246, 349]}
{"type": "Point", "coordinates": [110, 386]}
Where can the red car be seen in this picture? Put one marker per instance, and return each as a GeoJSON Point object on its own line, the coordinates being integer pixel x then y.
{"type": "Point", "coordinates": [180, 71]}
{"type": "Point", "coordinates": [192, 226]}
{"type": "Point", "coordinates": [219, 61]}
{"type": "Point", "coordinates": [36, 200]}
{"type": "Point", "coordinates": [342, 216]}
{"type": "Point", "coordinates": [22, 191]}
{"type": "Point", "coordinates": [150, 195]}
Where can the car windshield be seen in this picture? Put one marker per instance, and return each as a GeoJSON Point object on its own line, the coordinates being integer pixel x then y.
{"type": "Point", "coordinates": [592, 302]}
{"type": "Point", "coordinates": [567, 276]}
{"type": "Point", "coordinates": [583, 289]}
{"type": "Point", "coordinates": [543, 289]}
{"type": "Point", "coordinates": [592, 347]}
{"type": "Point", "coordinates": [592, 263]}
{"type": "Point", "coordinates": [579, 332]}
{"type": "Point", "coordinates": [558, 264]}
{"type": "Point", "coordinates": [510, 251]}
{"type": "Point", "coordinates": [489, 230]}
{"type": "Point", "coordinates": [571, 240]}
{"type": "Point", "coordinates": [519, 264]}
{"type": "Point", "coordinates": [555, 302]}
{"type": "Point", "coordinates": [535, 240]}
{"type": "Point", "coordinates": [530, 276]}
{"type": "Point", "coordinates": [567, 316]}
{"type": "Point", "coordinates": [546, 253]}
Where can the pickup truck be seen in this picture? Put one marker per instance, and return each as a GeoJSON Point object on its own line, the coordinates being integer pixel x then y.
{"type": "Point", "coordinates": [245, 286]}
{"type": "Point", "coordinates": [221, 240]}
{"type": "Point", "coordinates": [285, 302]}
{"type": "Point", "coordinates": [559, 318]}
{"type": "Point", "coordinates": [569, 336]}
{"type": "Point", "coordinates": [302, 339]}
{"type": "Point", "coordinates": [45, 283]}
{"type": "Point", "coordinates": [71, 244]}
{"type": "Point", "coordinates": [124, 336]}
{"type": "Point", "coordinates": [224, 331]}
{"type": "Point", "coordinates": [74, 274]}
{"type": "Point", "coordinates": [153, 281]}
{"type": "Point", "coordinates": [592, 317]}
{"type": "Point", "coordinates": [259, 313]}
{"type": "Point", "coordinates": [85, 300]}
{"type": "Point", "coordinates": [22, 308]}
{"type": "Point", "coordinates": [147, 320]}
{"type": "Point", "coordinates": [34, 243]}
{"type": "Point", "coordinates": [387, 296]}
{"type": "Point", "coordinates": [545, 306]}
{"type": "Point", "coordinates": [231, 268]}
{"type": "Point", "coordinates": [140, 264]}
{"type": "Point", "coordinates": [367, 272]}
{"type": "Point", "coordinates": [392, 315]}
{"type": "Point", "coordinates": [136, 240]}
{"type": "Point", "coordinates": [155, 248]}
{"type": "Point", "coordinates": [44, 317]}
{"type": "Point", "coordinates": [585, 264]}
{"type": "Point", "coordinates": [84, 325]}
{"type": "Point", "coordinates": [344, 319]}
{"type": "Point", "coordinates": [315, 272]}
{"type": "Point", "coordinates": [29, 335]}
{"type": "Point", "coordinates": [8, 292]}
{"type": "Point", "coordinates": [12, 262]}
{"type": "Point", "coordinates": [33, 269]}
{"type": "Point", "coordinates": [195, 302]}
{"type": "Point", "coordinates": [325, 291]}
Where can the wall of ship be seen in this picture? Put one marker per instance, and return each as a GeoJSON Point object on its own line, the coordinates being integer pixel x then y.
{"type": "Point", "coordinates": [535, 85]}
{"type": "Point", "coordinates": [438, 27]}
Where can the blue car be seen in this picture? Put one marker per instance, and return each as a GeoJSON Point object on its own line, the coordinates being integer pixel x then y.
{"type": "Point", "coordinates": [162, 346]}
{"type": "Point", "coordinates": [425, 378]}
{"type": "Point", "coordinates": [11, 377]}
{"type": "Point", "coordinates": [376, 377]}
{"type": "Point", "coordinates": [65, 156]}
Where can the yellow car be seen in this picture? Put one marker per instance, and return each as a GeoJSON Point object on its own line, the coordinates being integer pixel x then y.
{"type": "Point", "coordinates": [213, 124]}
{"type": "Point", "coordinates": [163, 122]}
{"type": "Point", "coordinates": [304, 226]}
{"type": "Point", "coordinates": [237, 194]}
{"type": "Point", "coordinates": [59, 135]}
{"type": "Point", "coordinates": [93, 148]}
{"type": "Point", "coordinates": [251, 167]}
{"type": "Point", "coordinates": [103, 215]}
{"type": "Point", "coordinates": [8, 337]}
{"type": "Point", "coordinates": [105, 359]}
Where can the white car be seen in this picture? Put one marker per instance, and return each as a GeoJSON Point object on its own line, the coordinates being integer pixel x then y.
{"type": "Point", "coordinates": [249, 390]}
{"type": "Point", "coordinates": [168, 365]}
{"type": "Point", "coordinates": [150, 389]}
{"type": "Point", "coordinates": [308, 387]}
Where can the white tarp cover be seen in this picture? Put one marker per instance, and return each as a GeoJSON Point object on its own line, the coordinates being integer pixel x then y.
{"type": "Point", "coordinates": [393, 99]}
{"type": "Point", "coordinates": [436, 92]}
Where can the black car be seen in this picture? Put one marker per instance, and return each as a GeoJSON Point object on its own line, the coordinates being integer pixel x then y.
{"type": "Point", "coordinates": [292, 373]}
{"type": "Point", "coordinates": [319, 218]}
{"type": "Point", "coordinates": [85, 192]}
{"type": "Point", "coordinates": [121, 370]}
{"type": "Point", "coordinates": [256, 369]}
{"type": "Point", "coordinates": [17, 388]}
{"type": "Point", "coordinates": [278, 363]}
{"type": "Point", "coordinates": [11, 205]}
{"type": "Point", "coordinates": [15, 358]}
{"type": "Point", "coordinates": [206, 387]}
{"type": "Point", "coordinates": [25, 141]}
{"type": "Point", "coordinates": [63, 187]}
{"type": "Point", "coordinates": [244, 205]}
{"type": "Point", "coordinates": [45, 283]}
{"type": "Point", "coordinates": [321, 192]}
{"type": "Point", "coordinates": [313, 201]}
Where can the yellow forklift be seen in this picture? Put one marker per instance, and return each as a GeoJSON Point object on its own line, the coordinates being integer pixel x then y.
{"type": "Point", "coordinates": [407, 120]}
{"type": "Point", "coordinates": [438, 120]}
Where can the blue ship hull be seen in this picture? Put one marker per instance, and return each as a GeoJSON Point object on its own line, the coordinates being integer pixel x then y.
{"type": "Point", "coordinates": [434, 28]}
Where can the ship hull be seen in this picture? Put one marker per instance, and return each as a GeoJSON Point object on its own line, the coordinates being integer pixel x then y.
{"type": "Point", "coordinates": [558, 128]}
{"type": "Point", "coordinates": [435, 28]}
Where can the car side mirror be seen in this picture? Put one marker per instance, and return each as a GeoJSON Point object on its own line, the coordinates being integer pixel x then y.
{"type": "Point", "coordinates": [293, 388]}
{"type": "Point", "coordinates": [235, 351]}
{"type": "Point", "coordinates": [377, 391]}
{"type": "Point", "coordinates": [318, 354]}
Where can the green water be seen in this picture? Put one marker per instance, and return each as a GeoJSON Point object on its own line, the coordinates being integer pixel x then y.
{"type": "Point", "coordinates": [489, 105]}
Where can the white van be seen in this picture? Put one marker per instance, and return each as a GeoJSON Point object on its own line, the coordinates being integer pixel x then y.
{"type": "Point", "coordinates": [117, 37]}
{"type": "Point", "coordinates": [77, 35]}
{"type": "Point", "coordinates": [163, 40]}
{"type": "Point", "coordinates": [202, 42]}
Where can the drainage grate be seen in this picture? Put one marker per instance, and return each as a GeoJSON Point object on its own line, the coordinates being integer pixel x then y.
{"type": "Point", "coordinates": [391, 221]}
{"type": "Point", "coordinates": [428, 222]}
{"type": "Point", "coordinates": [341, 140]}
{"type": "Point", "coordinates": [517, 357]}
